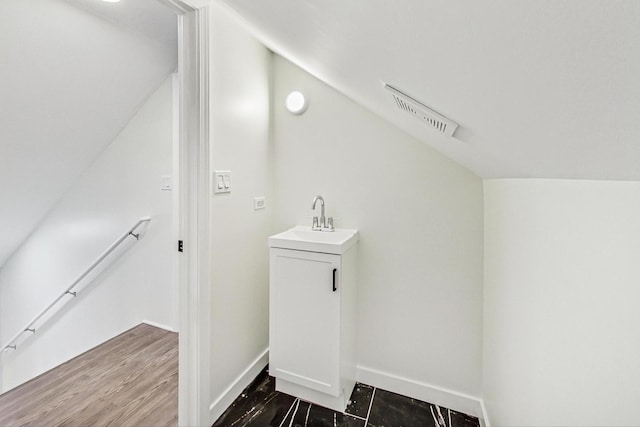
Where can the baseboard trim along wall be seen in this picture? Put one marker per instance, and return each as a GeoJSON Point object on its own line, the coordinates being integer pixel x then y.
{"type": "Point", "coordinates": [418, 390]}
{"type": "Point", "coordinates": [484, 422]}
{"type": "Point", "coordinates": [159, 325]}
{"type": "Point", "coordinates": [460, 402]}
{"type": "Point", "coordinates": [233, 391]}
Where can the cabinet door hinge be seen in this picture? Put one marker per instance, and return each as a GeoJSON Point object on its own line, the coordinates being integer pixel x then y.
{"type": "Point", "coordinates": [180, 246]}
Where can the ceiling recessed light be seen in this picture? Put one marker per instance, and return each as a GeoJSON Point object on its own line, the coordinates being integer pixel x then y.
{"type": "Point", "coordinates": [111, 1]}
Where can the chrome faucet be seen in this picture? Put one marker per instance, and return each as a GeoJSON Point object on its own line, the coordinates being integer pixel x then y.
{"type": "Point", "coordinates": [321, 224]}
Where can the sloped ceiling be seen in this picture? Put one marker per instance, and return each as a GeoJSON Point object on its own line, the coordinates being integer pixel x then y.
{"type": "Point", "coordinates": [69, 82]}
{"type": "Point", "coordinates": [539, 88]}
{"type": "Point", "coordinates": [147, 18]}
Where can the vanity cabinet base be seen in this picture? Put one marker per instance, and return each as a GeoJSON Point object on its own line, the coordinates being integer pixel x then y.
{"type": "Point", "coordinates": [338, 403]}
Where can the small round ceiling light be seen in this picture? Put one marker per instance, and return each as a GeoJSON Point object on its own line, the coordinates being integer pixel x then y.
{"type": "Point", "coordinates": [296, 103]}
{"type": "Point", "coordinates": [111, 1]}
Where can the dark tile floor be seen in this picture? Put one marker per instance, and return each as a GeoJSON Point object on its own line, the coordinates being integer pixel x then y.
{"type": "Point", "coordinates": [260, 405]}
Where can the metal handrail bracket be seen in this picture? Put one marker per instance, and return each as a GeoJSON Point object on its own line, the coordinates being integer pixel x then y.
{"type": "Point", "coordinates": [29, 327]}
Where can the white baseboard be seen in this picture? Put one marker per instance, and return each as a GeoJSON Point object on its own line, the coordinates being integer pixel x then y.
{"type": "Point", "coordinates": [159, 325]}
{"type": "Point", "coordinates": [485, 417]}
{"type": "Point", "coordinates": [457, 401]}
{"type": "Point", "coordinates": [233, 391]}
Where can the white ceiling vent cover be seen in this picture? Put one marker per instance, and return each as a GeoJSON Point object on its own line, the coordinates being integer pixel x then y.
{"type": "Point", "coordinates": [422, 112]}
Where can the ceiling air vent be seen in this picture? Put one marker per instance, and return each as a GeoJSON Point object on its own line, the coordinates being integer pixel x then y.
{"type": "Point", "coordinates": [422, 112]}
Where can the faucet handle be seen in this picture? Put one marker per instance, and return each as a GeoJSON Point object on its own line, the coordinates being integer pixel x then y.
{"type": "Point", "coordinates": [330, 223]}
{"type": "Point", "coordinates": [315, 223]}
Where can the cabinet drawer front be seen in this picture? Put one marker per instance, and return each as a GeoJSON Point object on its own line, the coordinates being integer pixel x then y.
{"type": "Point", "coordinates": [305, 319]}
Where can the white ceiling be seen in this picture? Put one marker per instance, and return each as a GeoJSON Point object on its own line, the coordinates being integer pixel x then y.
{"type": "Point", "coordinates": [144, 17]}
{"type": "Point", "coordinates": [539, 88]}
{"type": "Point", "coordinates": [69, 82]}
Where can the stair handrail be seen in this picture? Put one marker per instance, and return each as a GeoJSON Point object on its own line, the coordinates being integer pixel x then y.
{"type": "Point", "coordinates": [68, 291]}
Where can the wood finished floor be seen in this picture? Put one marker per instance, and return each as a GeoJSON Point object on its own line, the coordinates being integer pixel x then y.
{"type": "Point", "coordinates": [130, 380]}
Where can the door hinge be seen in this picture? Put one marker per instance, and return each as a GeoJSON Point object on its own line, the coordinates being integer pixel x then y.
{"type": "Point", "coordinates": [180, 246]}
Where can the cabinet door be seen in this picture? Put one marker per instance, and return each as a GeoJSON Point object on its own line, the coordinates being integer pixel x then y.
{"type": "Point", "coordinates": [304, 341]}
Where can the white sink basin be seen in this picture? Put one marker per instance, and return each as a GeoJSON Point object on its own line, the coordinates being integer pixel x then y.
{"type": "Point", "coordinates": [302, 238]}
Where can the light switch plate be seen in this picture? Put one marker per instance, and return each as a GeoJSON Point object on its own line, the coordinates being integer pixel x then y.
{"type": "Point", "coordinates": [221, 182]}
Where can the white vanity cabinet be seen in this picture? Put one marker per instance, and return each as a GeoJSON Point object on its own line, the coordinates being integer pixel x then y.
{"type": "Point", "coordinates": [312, 334]}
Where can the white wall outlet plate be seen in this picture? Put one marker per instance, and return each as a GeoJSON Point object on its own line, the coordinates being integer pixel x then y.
{"type": "Point", "coordinates": [166, 183]}
{"type": "Point", "coordinates": [258, 203]}
{"type": "Point", "coordinates": [221, 182]}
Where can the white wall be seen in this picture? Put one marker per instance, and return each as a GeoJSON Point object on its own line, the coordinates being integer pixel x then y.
{"type": "Point", "coordinates": [240, 144]}
{"type": "Point", "coordinates": [69, 86]}
{"type": "Point", "coordinates": [136, 283]}
{"type": "Point", "coordinates": [561, 303]}
{"type": "Point", "coordinates": [420, 219]}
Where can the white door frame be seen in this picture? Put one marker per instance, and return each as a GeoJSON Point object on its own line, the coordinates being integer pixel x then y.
{"type": "Point", "coordinates": [192, 183]}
